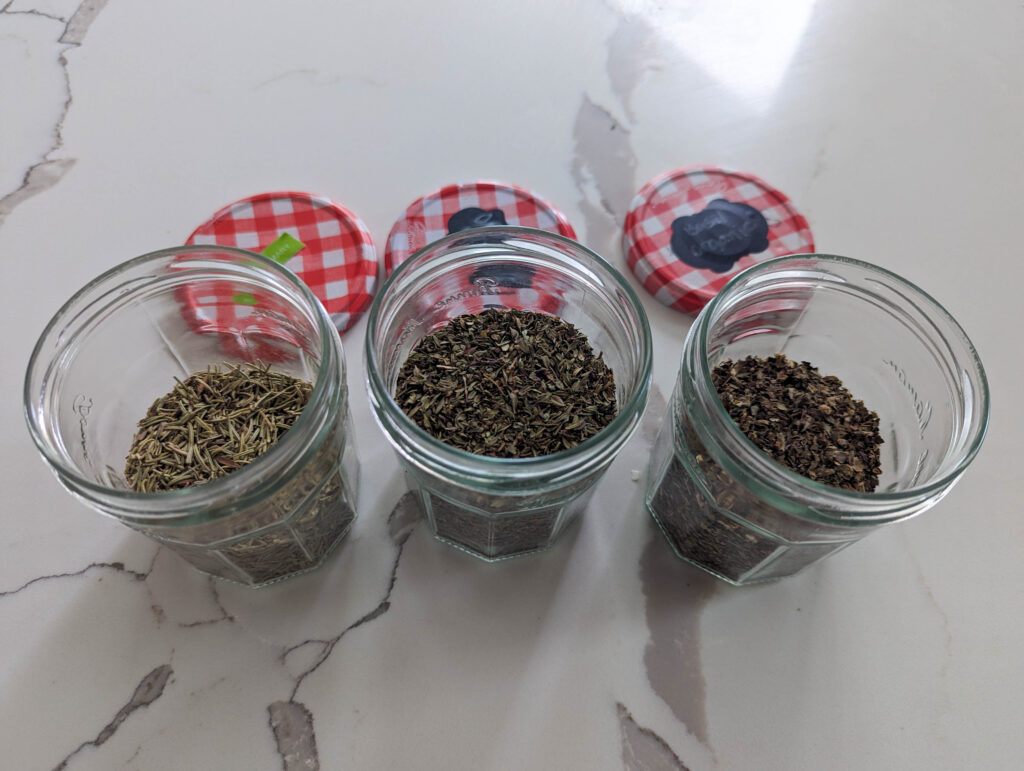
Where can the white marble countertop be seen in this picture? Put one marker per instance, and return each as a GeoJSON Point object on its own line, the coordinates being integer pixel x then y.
{"type": "Point", "coordinates": [898, 128]}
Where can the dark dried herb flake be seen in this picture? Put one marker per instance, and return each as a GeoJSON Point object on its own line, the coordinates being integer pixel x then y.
{"type": "Point", "coordinates": [807, 421]}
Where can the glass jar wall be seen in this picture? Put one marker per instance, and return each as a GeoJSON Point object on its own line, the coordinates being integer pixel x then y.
{"type": "Point", "coordinates": [492, 507]}
{"type": "Point", "coordinates": [728, 507]}
{"type": "Point", "coordinates": [120, 343]}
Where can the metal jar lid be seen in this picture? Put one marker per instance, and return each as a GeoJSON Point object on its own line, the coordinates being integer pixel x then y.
{"type": "Point", "coordinates": [689, 231]}
{"type": "Point", "coordinates": [469, 205]}
{"type": "Point", "coordinates": [319, 240]}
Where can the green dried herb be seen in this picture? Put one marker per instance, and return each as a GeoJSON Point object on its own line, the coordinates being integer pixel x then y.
{"type": "Point", "coordinates": [212, 423]}
{"type": "Point", "coordinates": [215, 422]}
{"type": "Point", "coordinates": [508, 384]}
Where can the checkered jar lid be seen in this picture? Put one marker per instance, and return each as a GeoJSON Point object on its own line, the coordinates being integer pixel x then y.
{"type": "Point", "coordinates": [469, 205]}
{"type": "Point", "coordinates": [319, 240]}
{"type": "Point", "coordinates": [689, 231]}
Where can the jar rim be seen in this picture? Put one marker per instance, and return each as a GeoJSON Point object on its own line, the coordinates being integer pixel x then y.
{"type": "Point", "coordinates": [832, 504]}
{"type": "Point", "coordinates": [474, 464]}
{"type": "Point", "coordinates": [170, 504]}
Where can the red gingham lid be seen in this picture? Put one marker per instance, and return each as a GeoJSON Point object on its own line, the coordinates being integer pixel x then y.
{"type": "Point", "coordinates": [689, 231]}
{"type": "Point", "coordinates": [472, 204]}
{"type": "Point", "coordinates": [338, 261]}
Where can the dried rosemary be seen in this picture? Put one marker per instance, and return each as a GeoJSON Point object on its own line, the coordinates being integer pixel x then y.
{"type": "Point", "coordinates": [212, 423]}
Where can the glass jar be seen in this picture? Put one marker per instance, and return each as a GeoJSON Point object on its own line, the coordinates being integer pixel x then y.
{"type": "Point", "coordinates": [495, 508]}
{"type": "Point", "coordinates": [728, 507]}
{"type": "Point", "coordinates": [119, 343]}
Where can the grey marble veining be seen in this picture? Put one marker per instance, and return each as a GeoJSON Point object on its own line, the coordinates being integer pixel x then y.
{"type": "Point", "coordinates": [117, 567]}
{"type": "Point", "coordinates": [633, 49]}
{"type": "Point", "coordinates": [291, 721]}
{"type": "Point", "coordinates": [643, 749]}
{"type": "Point", "coordinates": [292, 725]}
{"type": "Point", "coordinates": [149, 689]}
{"type": "Point", "coordinates": [47, 171]}
{"type": "Point", "coordinates": [603, 169]}
{"type": "Point", "coordinates": [676, 597]}
{"type": "Point", "coordinates": [604, 163]}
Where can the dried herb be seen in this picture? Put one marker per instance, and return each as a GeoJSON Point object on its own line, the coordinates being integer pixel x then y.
{"type": "Point", "coordinates": [696, 529]}
{"type": "Point", "coordinates": [508, 384]}
{"type": "Point", "coordinates": [494, 537]}
{"type": "Point", "coordinates": [215, 422]}
{"type": "Point", "coordinates": [808, 422]}
{"type": "Point", "coordinates": [512, 384]}
{"type": "Point", "coordinates": [212, 423]}
{"type": "Point", "coordinates": [805, 420]}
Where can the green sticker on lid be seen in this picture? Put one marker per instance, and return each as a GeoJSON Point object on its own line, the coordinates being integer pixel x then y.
{"type": "Point", "coordinates": [283, 248]}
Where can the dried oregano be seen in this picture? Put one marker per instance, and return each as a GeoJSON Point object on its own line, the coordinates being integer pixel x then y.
{"type": "Point", "coordinates": [510, 384]}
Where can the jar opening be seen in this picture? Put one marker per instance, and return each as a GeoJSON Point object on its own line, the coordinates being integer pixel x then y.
{"type": "Point", "coordinates": [892, 345]}
{"type": "Point", "coordinates": [505, 268]}
{"type": "Point", "coordinates": [120, 341]}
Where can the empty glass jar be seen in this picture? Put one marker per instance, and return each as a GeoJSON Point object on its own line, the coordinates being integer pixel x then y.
{"type": "Point", "coordinates": [119, 343]}
{"type": "Point", "coordinates": [729, 508]}
{"type": "Point", "coordinates": [492, 507]}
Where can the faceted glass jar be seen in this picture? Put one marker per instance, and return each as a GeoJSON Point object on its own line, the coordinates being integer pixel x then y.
{"type": "Point", "coordinates": [728, 507]}
{"type": "Point", "coordinates": [495, 508]}
{"type": "Point", "coordinates": [120, 342]}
